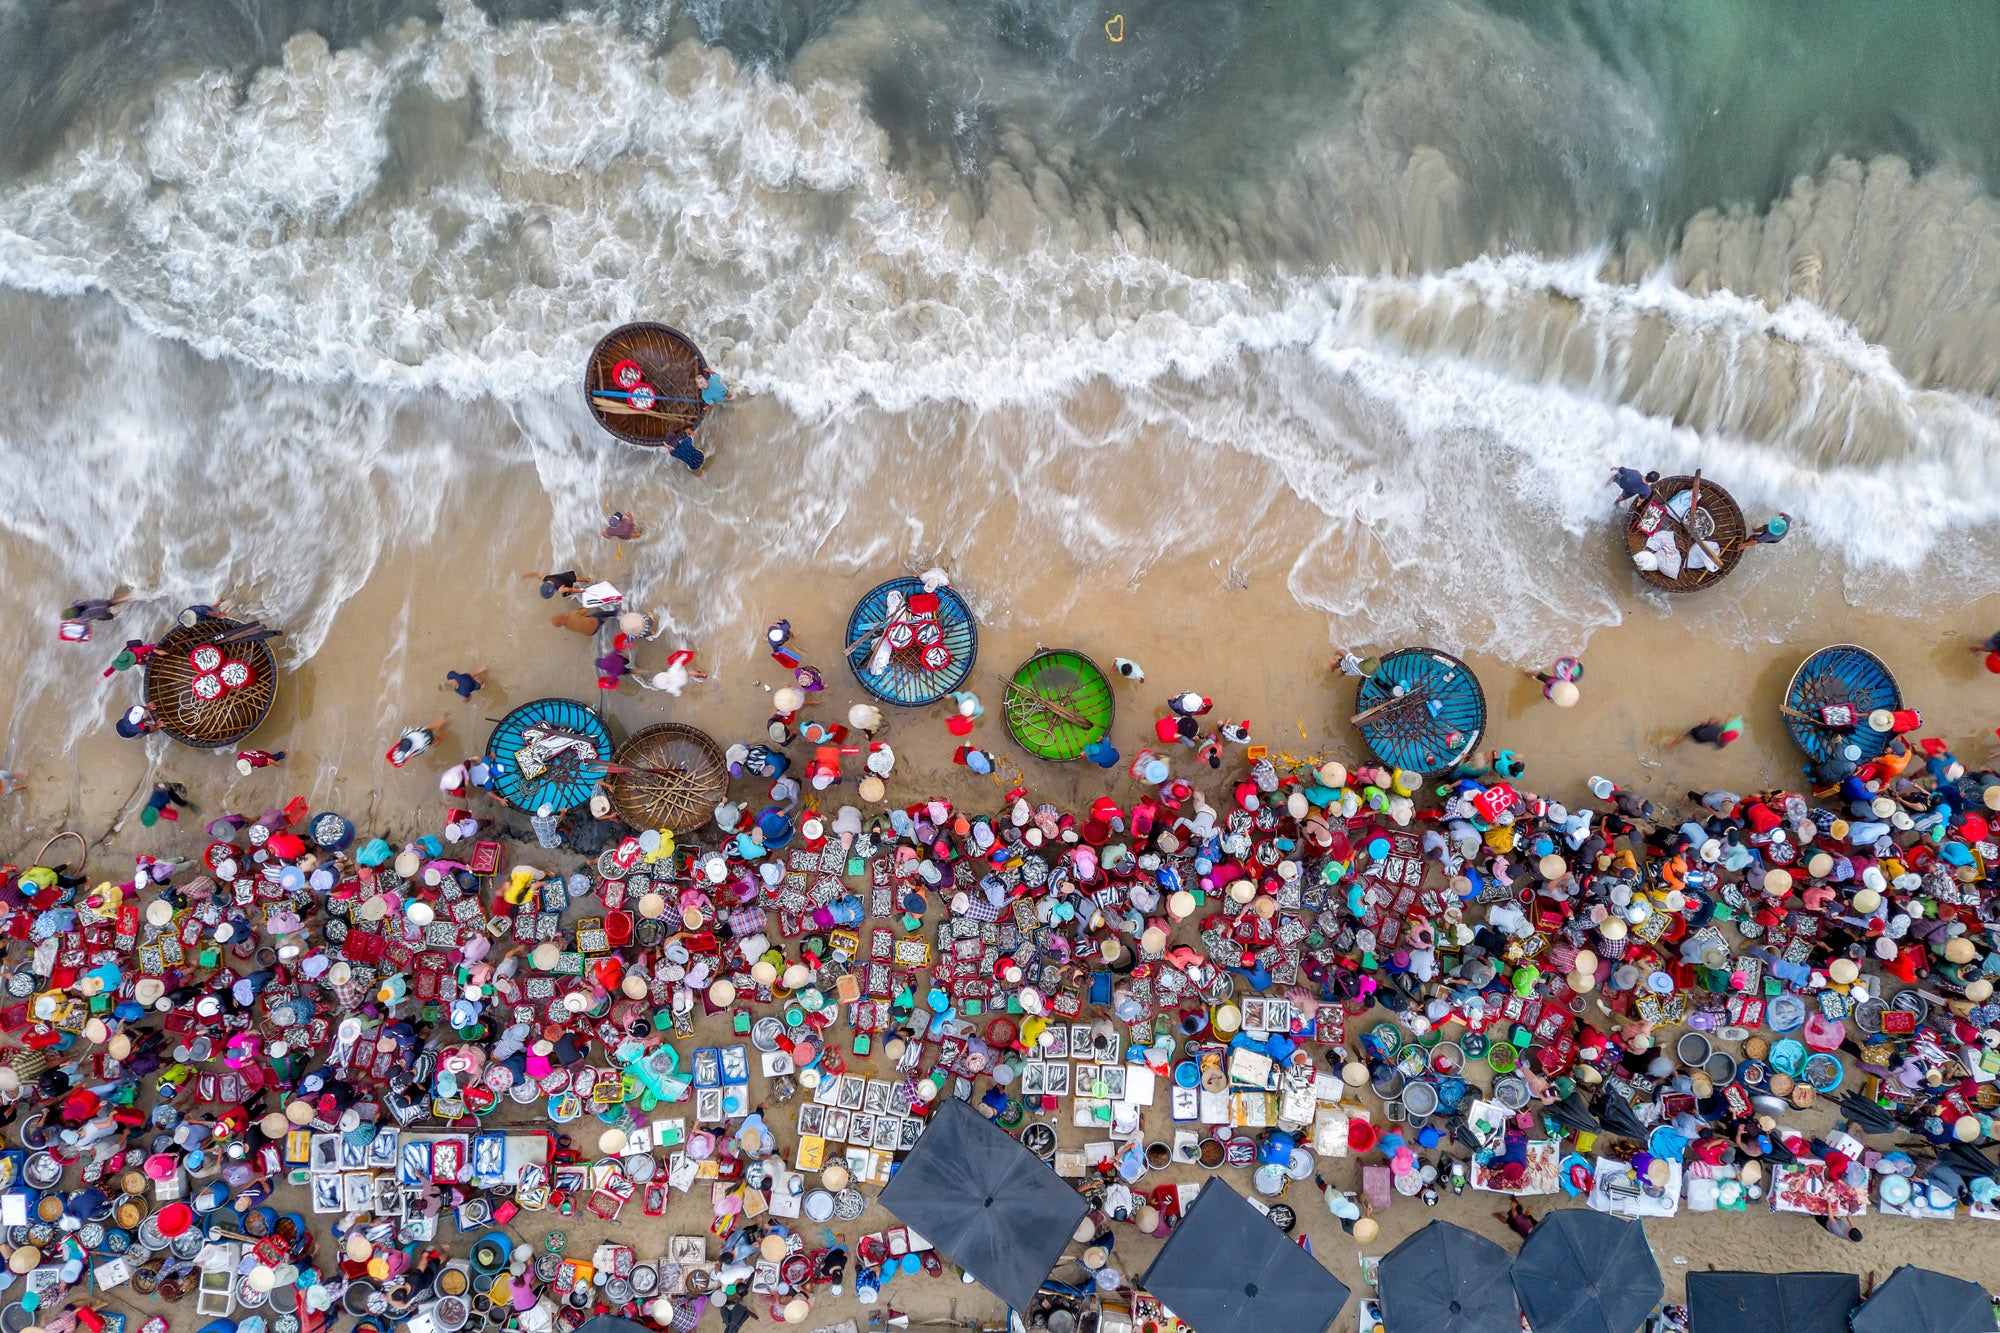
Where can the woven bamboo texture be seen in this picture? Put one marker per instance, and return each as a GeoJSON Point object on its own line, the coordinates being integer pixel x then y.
{"type": "Point", "coordinates": [208, 724]}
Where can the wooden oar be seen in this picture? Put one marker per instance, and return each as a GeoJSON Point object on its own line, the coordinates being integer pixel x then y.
{"type": "Point", "coordinates": [1687, 530]}
{"type": "Point", "coordinates": [867, 636]}
{"type": "Point", "coordinates": [891, 611]}
{"type": "Point", "coordinates": [627, 410]}
{"type": "Point", "coordinates": [1027, 695]}
{"type": "Point", "coordinates": [612, 768]}
{"type": "Point", "coordinates": [1413, 695]}
{"type": "Point", "coordinates": [1694, 503]}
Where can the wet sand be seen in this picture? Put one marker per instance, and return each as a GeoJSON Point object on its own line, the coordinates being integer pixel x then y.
{"type": "Point", "coordinates": [1220, 619]}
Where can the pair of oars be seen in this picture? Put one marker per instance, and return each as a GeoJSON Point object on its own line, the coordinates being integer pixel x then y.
{"type": "Point", "coordinates": [616, 769]}
{"type": "Point", "coordinates": [627, 410]}
{"type": "Point", "coordinates": [1713, 551]}
{"type": "Point", "coordinates": [1019, 693]}
{"type": "Point", "coordinates": [1416, 694]}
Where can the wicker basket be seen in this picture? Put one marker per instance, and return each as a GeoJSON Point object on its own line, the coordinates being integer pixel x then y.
{"type": "Point", "coordinates": [667, 363]}
{"type": "Point", "coordinates": [1715, 520]}
{"type": "Point", "coordinates": [679, 776]}
{"type": "Point", "coordinates": [208, 724]}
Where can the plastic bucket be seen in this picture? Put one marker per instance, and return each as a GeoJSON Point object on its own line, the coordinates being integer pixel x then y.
{"type": "Point", "coordinates": [1693, 1050]}
{"type": "Point", "coordinates": [491, 1252]}
{"type": "Point", "coordinates": [1187, 1074]}
{"type": "Point", "coordinates": [174, 1219]}
{"type": "Point", "coordinates": [355, 1299]}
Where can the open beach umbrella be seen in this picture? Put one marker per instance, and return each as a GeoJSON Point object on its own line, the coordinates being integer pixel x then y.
{"type": "Point", "coordinates": [1914, 1299]}
{"type": "Point", "coordinates": [1227, 1269]}
{"type": "Point", "coordinates": [1771, 1302]}
{"type": "Point", "coordinates": [1587, 1272]}
{"type": "Point", "coordinates": [1446, 1279]}
{"type": "Point", "coordinates": [987, 1203]}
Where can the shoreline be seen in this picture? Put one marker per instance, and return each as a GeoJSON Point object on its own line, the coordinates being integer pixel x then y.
{"type": "Point", "coordinates": [1647, 680]}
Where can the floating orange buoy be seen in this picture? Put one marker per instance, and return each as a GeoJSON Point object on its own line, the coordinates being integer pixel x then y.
{"type": "Point", "coordinates": [1993, 663]}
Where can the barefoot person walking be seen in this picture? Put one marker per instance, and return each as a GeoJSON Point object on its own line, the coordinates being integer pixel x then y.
{"type": "Point", "coordinates": [414, 741]}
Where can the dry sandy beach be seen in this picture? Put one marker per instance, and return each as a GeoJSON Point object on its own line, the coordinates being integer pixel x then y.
{"type": "Point", "coordinates": [1250, 647]}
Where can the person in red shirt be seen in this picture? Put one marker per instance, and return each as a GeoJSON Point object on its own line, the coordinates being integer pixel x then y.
{"type": "Point", "coordinates": [249, 761]}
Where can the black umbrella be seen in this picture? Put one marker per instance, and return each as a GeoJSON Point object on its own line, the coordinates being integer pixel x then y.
{"type": "Point", "coordinates": [1228, 1269]}
{"type": "Point", "coordinates": [987, 1203]}
{"type": "Point", "coordinates": [1779, 1153]}
{"type": "Point", "coordinates": [1970, 1162]}
{"type": "Point", "coordinates": [1865, 1116]}
{"type": "Point", "coordinates": [1771, 1302]}
{"type": "Point", "coordinates": [1445, 1279]}
{"type": "Point", "coordinates": [1587, 1272]}
{"type": "Point", "coordinates": [1573, 1112]}
{"type": "Point", "coordinates": [1619, 1118]}
{"type": "Point", "coordinates": [1917, 1299]}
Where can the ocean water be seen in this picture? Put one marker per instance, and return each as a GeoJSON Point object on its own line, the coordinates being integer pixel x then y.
{"type": "Point", "coordinates": [1366, 294]}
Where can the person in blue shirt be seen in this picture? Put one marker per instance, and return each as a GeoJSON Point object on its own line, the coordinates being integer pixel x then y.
{"type": "Point", "coordinates": [682, 446]}
{"type": "Point", "coordinates": [465, 683]}
{"type": "Point", "coordinates": [713, 390]}
{"type": "Point", "coordinates": [1632, 485]}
